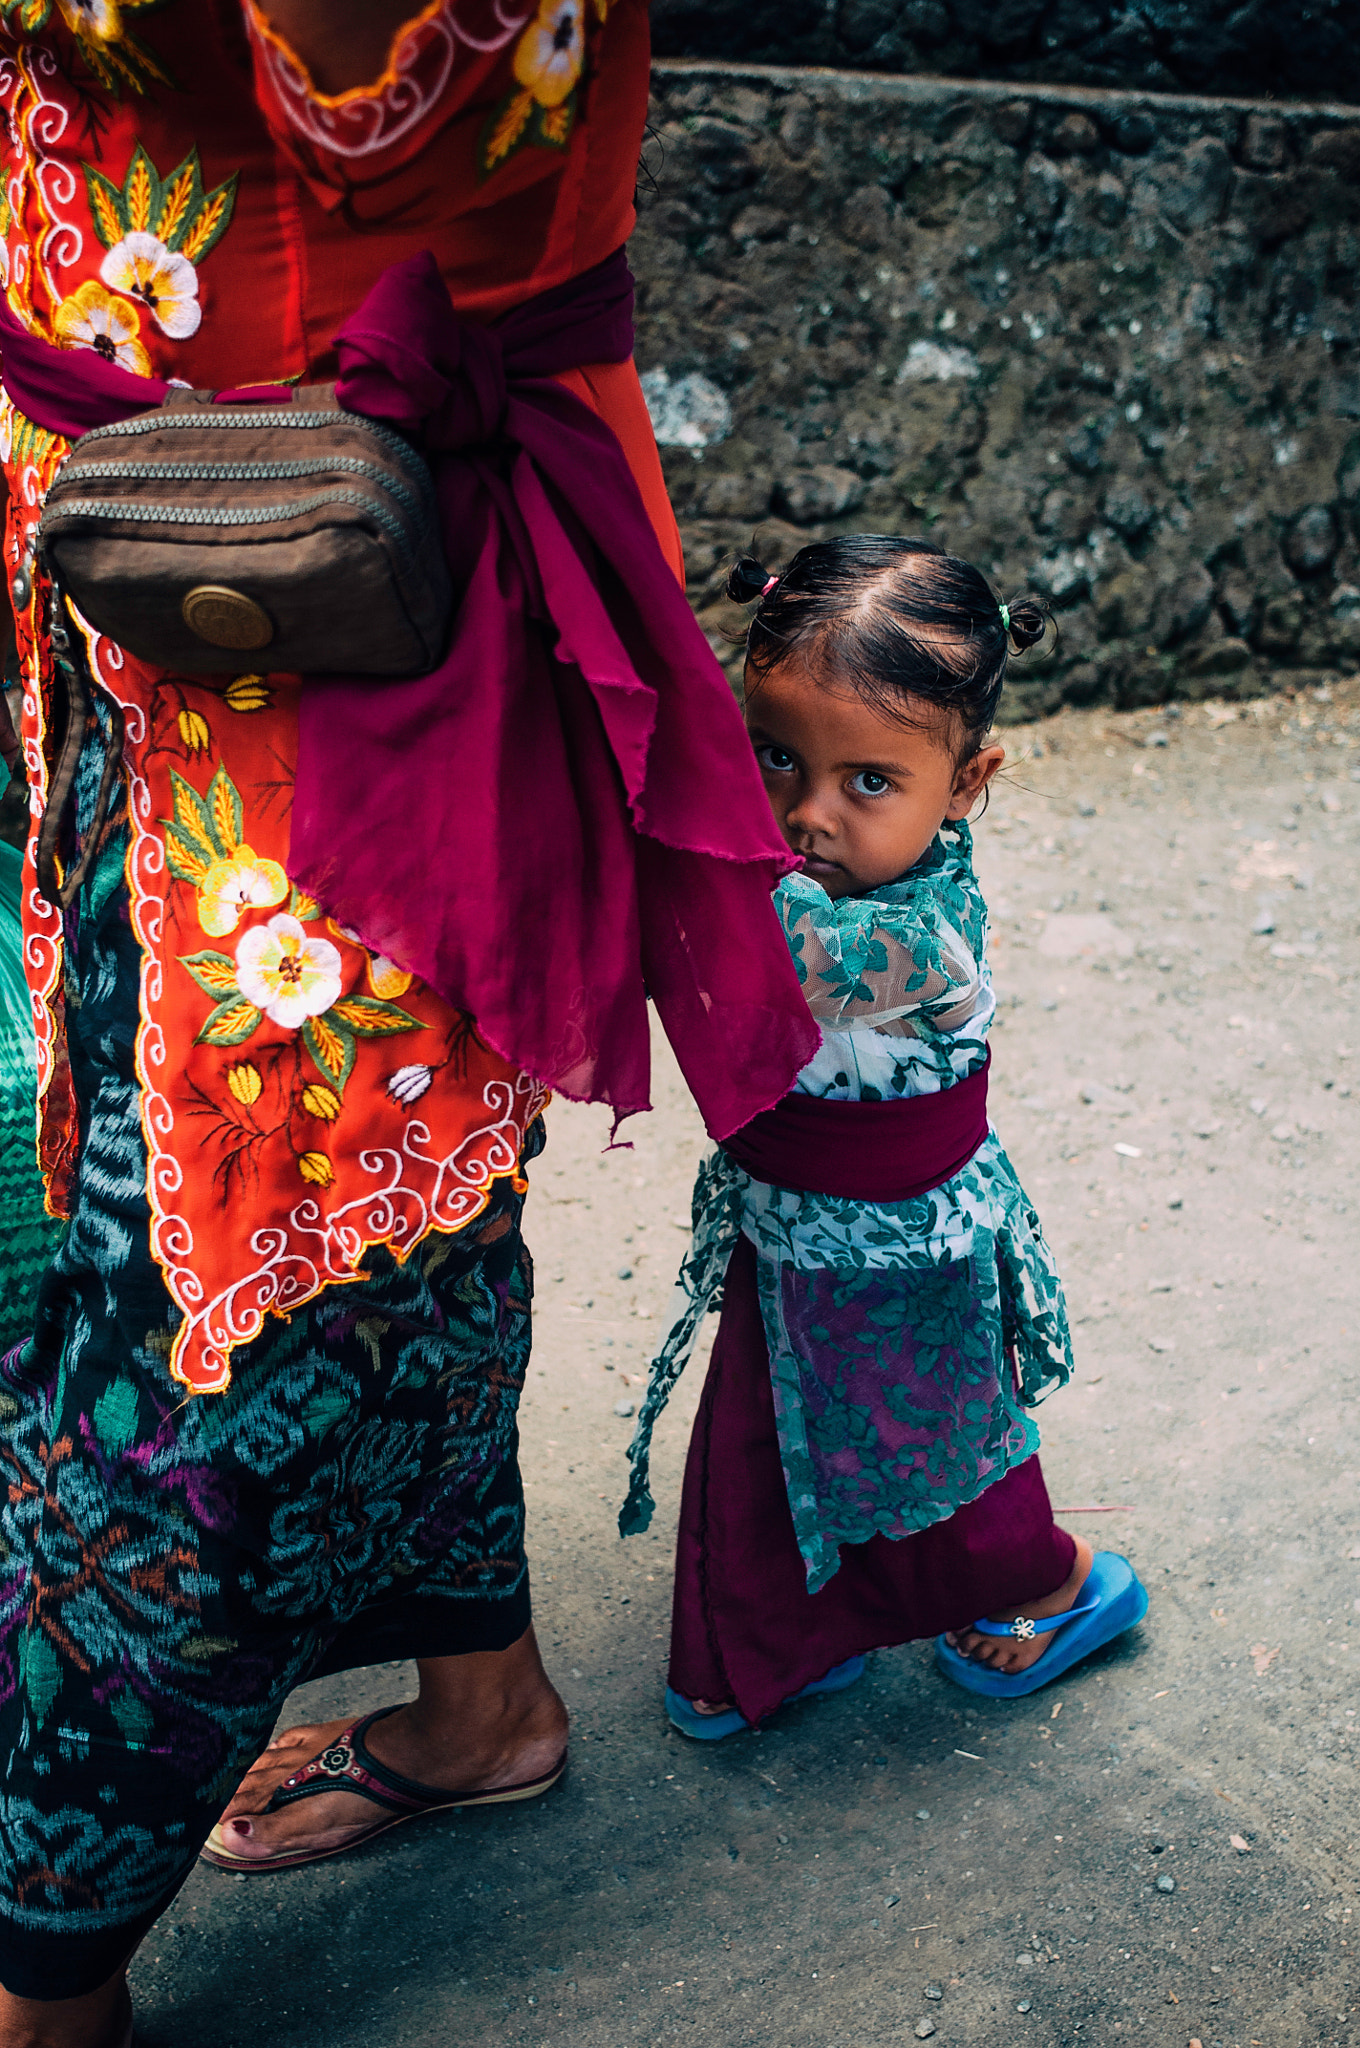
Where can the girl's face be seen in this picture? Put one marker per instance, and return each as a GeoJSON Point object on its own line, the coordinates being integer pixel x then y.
{"type": "Point", "coordinates": [859, 795]}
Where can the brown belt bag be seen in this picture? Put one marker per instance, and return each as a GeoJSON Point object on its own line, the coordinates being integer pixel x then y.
{"type": "Point", "coordinates": [283, 536]}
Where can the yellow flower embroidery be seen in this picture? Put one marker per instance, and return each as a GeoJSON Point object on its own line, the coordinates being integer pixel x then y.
{"type": "Point", "coordinates": [114, 54]}
{"type": "Point", "coordinates": [551, 51]}
{"type": "Point", "coordinates": [318, 1100]}
{"type": "Point", "coordinates": [247, 693]}
{"type": "Point", "coordinates": [316, 1167]}
{"type": "Point", "coordinates": [93, 318]}
{"type": "Point", "coordinates": [193, 730]}
{"type": "Point", "coordinates": [242, 882]}
{"type": "Point", "coordinates": [245, 1082]}
{"type": "Point", "coordinates": [549, 59]}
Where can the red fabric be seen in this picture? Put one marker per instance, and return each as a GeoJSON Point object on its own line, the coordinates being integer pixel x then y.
{"type": "Point", "coordinates": [578, 750]}
{"type": "Point", "coordinates": [744, 1626]}
{"type": "Point", "coordinates": [866, 1151]}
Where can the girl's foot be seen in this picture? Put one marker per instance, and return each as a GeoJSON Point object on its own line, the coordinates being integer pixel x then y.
{"type": "Point", "coordinates": [1006, 1654]}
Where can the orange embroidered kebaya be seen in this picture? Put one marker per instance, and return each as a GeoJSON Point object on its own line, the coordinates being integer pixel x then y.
{"type": "Point", "coordinates": [301, 1099]}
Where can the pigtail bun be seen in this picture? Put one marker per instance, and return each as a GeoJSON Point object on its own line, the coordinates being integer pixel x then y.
{"type": "Point", "coordinates": [1031, 622]}
{"type": "Point", "coordinates": [748, 580]}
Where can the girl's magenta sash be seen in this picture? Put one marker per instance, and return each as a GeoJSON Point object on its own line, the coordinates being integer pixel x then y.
{"type": "Point", "coordinates": [865, 1151]}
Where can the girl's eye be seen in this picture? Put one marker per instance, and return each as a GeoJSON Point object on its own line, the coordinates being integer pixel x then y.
{"type": "Point", "coordinates": [869, 783]}
{"type": "Point", "coordinates": [777, 760]}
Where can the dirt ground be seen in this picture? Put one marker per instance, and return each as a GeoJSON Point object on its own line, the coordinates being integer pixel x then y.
{"type": "Point", "coordinates": [1163, 1845]}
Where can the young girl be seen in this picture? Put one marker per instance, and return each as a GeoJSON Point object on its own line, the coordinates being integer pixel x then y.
{"type": "Point", "coordinates": [863, 1468]}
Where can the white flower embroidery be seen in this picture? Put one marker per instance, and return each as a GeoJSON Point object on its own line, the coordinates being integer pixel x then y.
{"type": "Point", "coordinates": [166, 284]}
{"type": "Point", "coordinates": [287, 975]}
{"type": "Point", "coordinates": [408, 1084]}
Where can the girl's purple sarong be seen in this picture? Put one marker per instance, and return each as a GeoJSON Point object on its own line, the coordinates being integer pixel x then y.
{"type": "Point", "coordinates": [744, 1627]}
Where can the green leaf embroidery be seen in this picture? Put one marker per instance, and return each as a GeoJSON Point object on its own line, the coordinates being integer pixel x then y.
{"type": "Point", "coordinates": [215, 974]}
{"type": "Point", "coordinates": [231, 1023]}
{"type": "Point", "coordinates": [367, 1017]}
{"type": "Point", "coordinates": [331, 1046]}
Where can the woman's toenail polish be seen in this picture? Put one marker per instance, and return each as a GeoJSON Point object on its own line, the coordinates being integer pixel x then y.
{"type": "Point", "coordinates": [241, 1827]}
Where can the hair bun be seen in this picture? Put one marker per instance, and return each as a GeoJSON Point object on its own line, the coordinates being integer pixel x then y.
{"type": "Point", "coordinates": [747, 580]}
{"type": "Point", "coordinates": [1030, 621]}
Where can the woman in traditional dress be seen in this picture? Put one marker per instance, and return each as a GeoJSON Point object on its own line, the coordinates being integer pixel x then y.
{"type": "Point", "coordinates": [333, 942]}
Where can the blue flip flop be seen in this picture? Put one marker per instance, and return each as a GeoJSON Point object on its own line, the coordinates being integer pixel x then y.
{"type": "Point", "coordinates": [713, 1727]}
{"type": "Point", "coordinates": [1112, 1600]}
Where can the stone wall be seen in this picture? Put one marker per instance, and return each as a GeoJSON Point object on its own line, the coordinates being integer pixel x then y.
{"type": "Point", "coordinates": [1104, 345]}
{"type": "Point", "coordinates": [1296, 47]}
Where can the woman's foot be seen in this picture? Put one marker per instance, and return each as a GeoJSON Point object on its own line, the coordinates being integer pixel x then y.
{"type": "Point", "coordinates": [480, 1722]}
{"type": "Point", "coordinates": [1007, 1654]}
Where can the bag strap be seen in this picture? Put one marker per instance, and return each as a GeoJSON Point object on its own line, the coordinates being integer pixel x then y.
{"type": "Point", "coordinates": [68, 654]}
{"type": "Point", "coordinates": [306, 397]}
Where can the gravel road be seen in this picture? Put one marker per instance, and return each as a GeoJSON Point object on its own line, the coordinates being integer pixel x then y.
{"type": "Point", "coordinates": [1164, 1845]}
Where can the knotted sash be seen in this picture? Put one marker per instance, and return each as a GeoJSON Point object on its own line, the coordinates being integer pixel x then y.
{"type": "Point", "coordinates": [866, 1151]}
{"type": "Point", "coordinates": [565, 815]}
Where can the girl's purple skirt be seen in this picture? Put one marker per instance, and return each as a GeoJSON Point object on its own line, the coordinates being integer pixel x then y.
{"type": "Point", "coordinates": [744, 1626]}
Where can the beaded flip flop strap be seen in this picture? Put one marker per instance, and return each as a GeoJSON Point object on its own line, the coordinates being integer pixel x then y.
{"type": "Point", "coordinates": [349, 1765]}
{"type": "Point", "coordinates": [1024, 1630]}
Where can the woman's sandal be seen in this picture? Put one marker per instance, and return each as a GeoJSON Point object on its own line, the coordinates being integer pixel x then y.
{"type": "Point", "coordinates": [348, 1765]}
{"type": "Point", "coordinates": [686, 1717]}
{"type": "Point", "coordinates": [1113, 1599]}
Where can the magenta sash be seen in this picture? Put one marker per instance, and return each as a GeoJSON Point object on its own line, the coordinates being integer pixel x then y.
{"type": "Point", "coordinates": [865, 1151]}
{"type": "Point", "coordinates": [565, 816]}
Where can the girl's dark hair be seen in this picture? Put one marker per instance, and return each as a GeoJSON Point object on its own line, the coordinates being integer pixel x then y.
{"type": "Point", "coordinates": [896, 619]}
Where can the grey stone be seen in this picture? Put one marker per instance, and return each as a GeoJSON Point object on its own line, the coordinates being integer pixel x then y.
{"type": "Point", "coordinates": [924, 2029]}
{"type": "Point", "coordinates": [1043, 189]}
{"type": "Point", "coordinates": [1166, 1884]}
{"type": "Point", "coordinates": [1193, 191]}
{"type": "Point", "coordinates": [1126, 605]}
{"type": "Point", "coordinates": [809, 495]}
{"type": "Point", "coordinates": [760, 224]}
{"type": "Point", "coordinates": [1188, 604]}
{"type": "Point", "coordinates": [934, 1991]}
{"type": "Point", "coordinates": [1224, 658]}
{"type": "Point", "coordinates": [733, 496]}
{"type": "Point", "coordinates": [1263, 143]}
{"type": "Point", "coordinates": [625, 1408]}
{"type": "Point", "coordinates": [866, 218]}
{"type": "Point", "coordinates": [1311, 541]}
{"type": "Point", "coordinates": [721, 154]}
{"type": "Point", "coordinates": [690, 412]}
{"type": "Point", "coordinates": [798, 126]}
{"type": "Point", "coordinates": [1075, 135]}
{"type": "Point", "coordinates": [1281, 625]}
{"type": "Point", "coordinates": [625, 1272]}
{"type": "Point", "coordinates": [1128, 510]}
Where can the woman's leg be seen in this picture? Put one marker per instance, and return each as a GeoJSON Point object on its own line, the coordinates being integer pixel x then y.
{"type": "Point", "coordinates": [101, 2019]}
{"type": "Point", "coordinates": [480, 1721]}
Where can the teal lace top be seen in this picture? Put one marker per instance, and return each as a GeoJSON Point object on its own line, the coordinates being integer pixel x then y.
{"type": "Point", "coordinates": [908, 1341]}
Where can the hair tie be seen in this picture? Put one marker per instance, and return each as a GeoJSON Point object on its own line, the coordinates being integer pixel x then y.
{"type": "Point", "coordinates": [1005, 612]}
{"type": "Point", "coordinates": [768, 588]}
